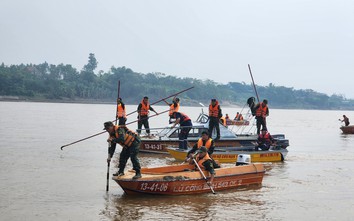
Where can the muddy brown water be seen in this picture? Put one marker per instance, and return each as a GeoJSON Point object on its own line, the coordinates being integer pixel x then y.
{"type": "Point", "coordinates": [38, 181]}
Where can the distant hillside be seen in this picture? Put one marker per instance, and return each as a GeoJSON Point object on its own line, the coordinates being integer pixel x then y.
{"type": "Point", "coordinates": [64, 83]}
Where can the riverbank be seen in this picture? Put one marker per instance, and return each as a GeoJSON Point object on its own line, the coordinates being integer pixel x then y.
{"type": "Point", "coordinates": [189, 103]}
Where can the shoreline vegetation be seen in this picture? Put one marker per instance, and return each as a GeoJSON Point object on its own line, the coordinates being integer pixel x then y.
{"type": "Point", "coordinates": [64, 84]}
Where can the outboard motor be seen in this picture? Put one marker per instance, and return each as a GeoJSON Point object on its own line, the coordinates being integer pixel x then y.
{"type": "Point", "coordinates": [243, 159]}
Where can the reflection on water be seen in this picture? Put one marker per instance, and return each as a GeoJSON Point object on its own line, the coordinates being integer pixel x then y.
{"type": "Point", "coordinates": [38, 181]}
{"type": "Point", "coordinates": [204, 206]}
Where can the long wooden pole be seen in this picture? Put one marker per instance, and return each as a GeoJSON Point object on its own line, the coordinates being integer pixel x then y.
{"type": "Point", "coordinates": [254, 85]}
{"type": "Point", "coordinates": [161, 128]}
{"type": "Point", "coordinates": [201, 172]}
{"type": "Point", "coordinates": [86, 138]}
{"type": "Point", "coordinates": [105, 131]}
{"type": "Point", "coordinates": [108, 164]}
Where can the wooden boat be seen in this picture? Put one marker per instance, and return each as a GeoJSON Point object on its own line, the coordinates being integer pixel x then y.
{"type": "Point", "coordinates": [230, 156]}
{"type": "Point", "coordinates": [347, 129]}
{"type": "Point", "coordinates": [169, 137]}
{"type": "Point", "coordinates": [183, 179]}
{"type": "Point", "coordinates": [237, 122]}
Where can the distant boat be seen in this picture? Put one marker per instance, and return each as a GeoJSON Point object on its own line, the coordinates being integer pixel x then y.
{"type": "Point", "coordinates": [347, 129]}
{"type": "Point", "coordinates": [230, 156]}
{"type": "Point", "coordinates": [184, 179]}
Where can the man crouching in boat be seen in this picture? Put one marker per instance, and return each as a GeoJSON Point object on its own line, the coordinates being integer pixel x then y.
{"type": "Point", "coordinates": [130, 142]}
{"type": "Point", "coordinates": [265, 140]}
{"type": "Point", "coordinates": [205, 162]}
{"type": "Point", "coordinates": [204, 141]}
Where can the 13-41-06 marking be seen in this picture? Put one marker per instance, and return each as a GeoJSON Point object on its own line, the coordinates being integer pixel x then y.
{"type": "Point", "coordinates": [161, 187]}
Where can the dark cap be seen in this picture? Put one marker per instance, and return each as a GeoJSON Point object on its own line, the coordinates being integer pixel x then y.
{"type": "Point", "coordinates": [107, 125]}
{"type": "Point", "coordinates": [146, 98]}
{"type": "Point", "coordinates": [263, 129]}
{"type": "Point", "coordinates": [213, 100]}
{"type": "Point", "coordinates": [202, 149]}
{"type": "Point", "coordinates": [265, 101]}
{"type": "Point", "coordinates": [205, 132]}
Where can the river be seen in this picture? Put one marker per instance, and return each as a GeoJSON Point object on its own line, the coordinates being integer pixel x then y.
{"type": "Point", "coordinates": [38, 181]}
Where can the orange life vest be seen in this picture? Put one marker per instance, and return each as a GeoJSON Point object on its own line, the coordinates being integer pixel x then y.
{"type": "Point", "coordinates": [144, 111]}
{"type": "Point", "coordinates": [207, 143]}
{"type": "Point", "coordinates": [241, 117]}
{"type": "Point", "coordinates": [173, 109]}
{"type": "Point", "coordinates": [214, 110]}
{"type": "Point", "coordinates": [129, 136]}
{"type": "Point", "coordinates": [201, 161]}
{"type": "Point", "coordinates": [121, 111]}
{"type": "Point", "coordinates": [261, 111]}
{"type": "Point", "coordinates": [266, 137]}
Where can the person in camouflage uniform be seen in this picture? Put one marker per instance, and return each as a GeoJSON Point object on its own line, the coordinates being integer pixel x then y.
{"type": "Point", "coordinates": [130, 143]}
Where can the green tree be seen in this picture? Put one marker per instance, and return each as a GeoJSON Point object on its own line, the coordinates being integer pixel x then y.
{"type": "Point", "coordinates": [92, 63]}
{"type": "Point", "coordinates": [35, 81]}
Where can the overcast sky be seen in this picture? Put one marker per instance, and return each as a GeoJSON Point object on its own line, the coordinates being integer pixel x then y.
{"type": "Point", "coordinates": [305, 44]}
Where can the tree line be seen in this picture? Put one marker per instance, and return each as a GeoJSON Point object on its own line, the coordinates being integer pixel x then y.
{"type": "Point", "coordinates": [65, 83]}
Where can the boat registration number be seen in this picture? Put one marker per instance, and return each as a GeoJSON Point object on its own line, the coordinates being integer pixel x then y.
{"type": "Point", "coordinates": [155, 187]}
{"type": "Point", "coordinates": [153, 146]}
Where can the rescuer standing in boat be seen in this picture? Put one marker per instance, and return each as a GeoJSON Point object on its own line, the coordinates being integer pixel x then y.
{"type": "Point", "coordinates": [186, 125]}
{"type": "Point", "coordinates": [214, 116]}
{"type": "Point", "coordinates": [121, 114]}
{"type": "Point", "coordinates": [130, 143]}
{"type": "Point", "coordinates": [205, 162]}
{"type": "Point", "coordinates": [262, 111]}
{"type": "Point", "coordinates": [143, 112]}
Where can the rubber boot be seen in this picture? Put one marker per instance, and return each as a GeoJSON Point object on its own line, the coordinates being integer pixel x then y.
{"type": "Point", "coordinates": [119, 173]}
{"type": "Point", "coordinates": [137, 175]}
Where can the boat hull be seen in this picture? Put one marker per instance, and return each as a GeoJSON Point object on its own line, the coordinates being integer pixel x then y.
{"type": "Point", "coordinates": [184, 183]}
{"type": "Point", "coordinates": [160, 146]}
{"type": "Point", "coordinates": [231, 156]}
{"type": "Point", "coordinates": [347, 129]}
